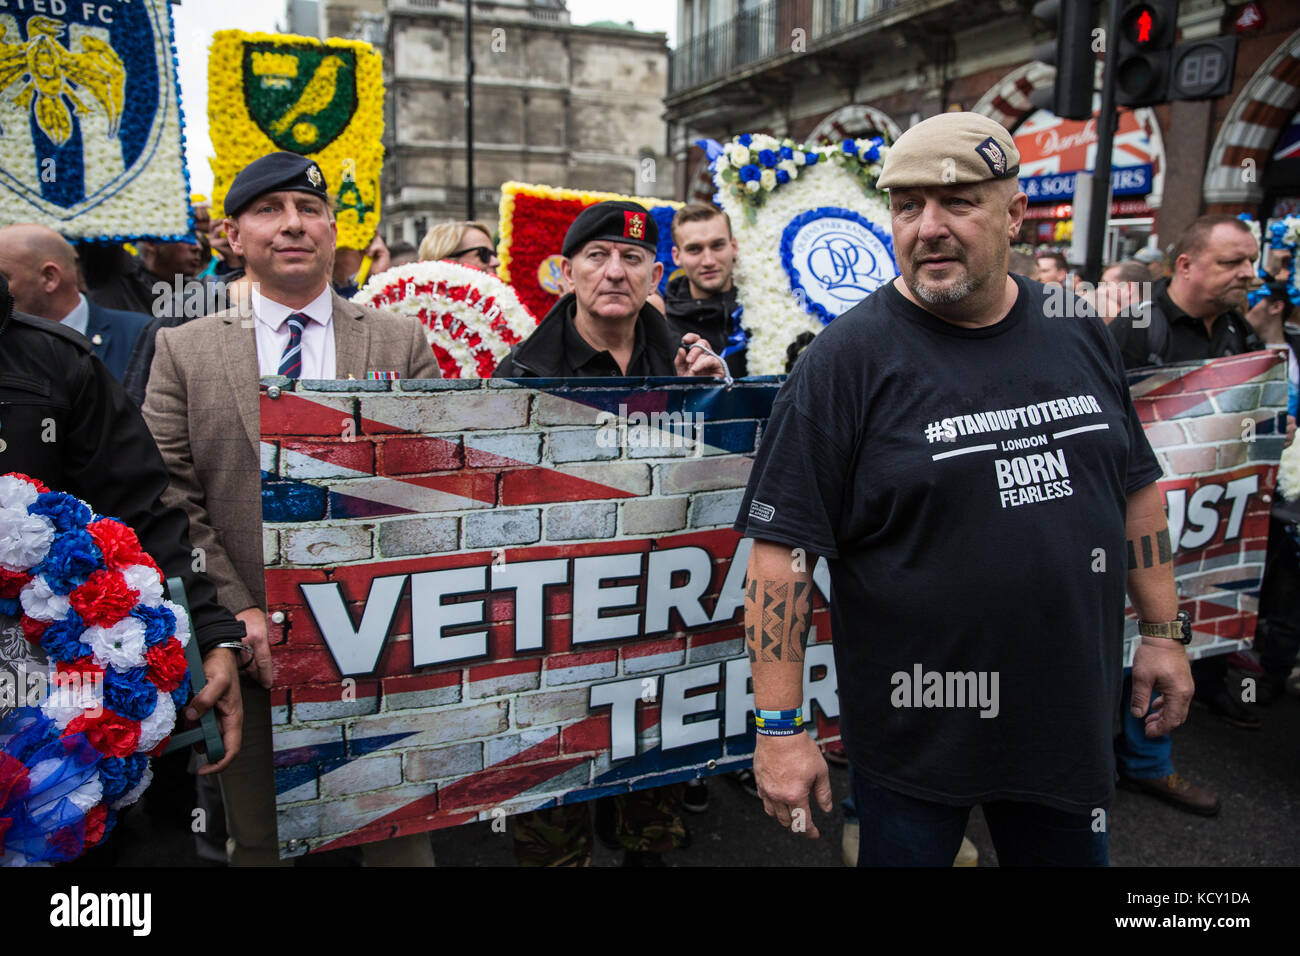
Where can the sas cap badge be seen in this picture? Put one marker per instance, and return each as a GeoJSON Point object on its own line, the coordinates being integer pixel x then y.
{"type": "Point", "coordinates": [993, 156]}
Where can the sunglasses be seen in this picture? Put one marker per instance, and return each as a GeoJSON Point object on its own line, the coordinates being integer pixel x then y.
{"type": "Point", "coordinates": [484, 253]}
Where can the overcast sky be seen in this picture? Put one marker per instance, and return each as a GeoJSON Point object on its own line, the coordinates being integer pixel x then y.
{"type": "Point", "coordinates": [196, 22]}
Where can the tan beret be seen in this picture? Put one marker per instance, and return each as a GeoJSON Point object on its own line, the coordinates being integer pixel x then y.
{"type": "Point", "coordinates": [950, 148]}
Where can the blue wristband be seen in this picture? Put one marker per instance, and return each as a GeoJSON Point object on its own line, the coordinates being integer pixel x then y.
{"type": "Point", "coordinates": [795, 714]}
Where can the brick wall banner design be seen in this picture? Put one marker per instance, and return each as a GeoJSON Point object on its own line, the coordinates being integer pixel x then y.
{"type": "Point", "coordinates": [487, 598]}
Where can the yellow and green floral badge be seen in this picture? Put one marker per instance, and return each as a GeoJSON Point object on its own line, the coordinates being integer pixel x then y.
{"type": "Point", "coordinates": [325, 100]}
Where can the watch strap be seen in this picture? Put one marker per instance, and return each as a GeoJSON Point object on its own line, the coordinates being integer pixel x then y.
{"type": "Point", "coordinates": [1170, 629]}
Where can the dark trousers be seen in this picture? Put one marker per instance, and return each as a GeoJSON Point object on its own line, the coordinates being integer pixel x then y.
{"type": "Point", "coordinates": [898, 830]}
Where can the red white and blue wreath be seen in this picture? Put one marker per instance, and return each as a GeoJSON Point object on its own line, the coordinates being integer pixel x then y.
{"type": "Point", "coordinates": [112, 650]}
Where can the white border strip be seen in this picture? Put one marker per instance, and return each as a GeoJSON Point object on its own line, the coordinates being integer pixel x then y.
{"type": "Point", "coordinates": [1075, 431]}
{"type": "Point", "coordinates": [963, 451]}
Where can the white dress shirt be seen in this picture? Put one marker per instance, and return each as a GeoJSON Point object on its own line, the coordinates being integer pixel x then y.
{"type": "Point", "coordinates": [79, 318]}
{"type": "Point", "coordinates": [318, 359]}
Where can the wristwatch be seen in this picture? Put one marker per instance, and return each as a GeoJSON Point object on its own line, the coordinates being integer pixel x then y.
{"type": "Point", "coordinates": [1179, 629]}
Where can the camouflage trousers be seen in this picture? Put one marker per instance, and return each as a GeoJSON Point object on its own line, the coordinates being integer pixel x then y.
{"type": "Point", "coordinates": [645, 820]}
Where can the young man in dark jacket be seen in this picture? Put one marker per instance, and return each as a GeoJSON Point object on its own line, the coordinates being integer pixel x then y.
{"type": "Point", "coordinates": [703, 298]}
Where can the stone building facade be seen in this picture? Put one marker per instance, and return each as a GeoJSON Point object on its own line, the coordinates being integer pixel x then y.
{"type": "Point", "coordinates": [554, 103]}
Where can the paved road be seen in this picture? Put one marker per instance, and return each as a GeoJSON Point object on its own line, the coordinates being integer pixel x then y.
{"type": "Point", "coordinates": [1256, 774]}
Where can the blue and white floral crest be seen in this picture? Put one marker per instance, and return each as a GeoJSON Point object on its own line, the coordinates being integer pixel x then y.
{"type": "Point", "coordinates": [813, 231]}
{"type": "Point", "coordinates": [836, 258]}
{"type": "Point", "coordinates": [91, 139]}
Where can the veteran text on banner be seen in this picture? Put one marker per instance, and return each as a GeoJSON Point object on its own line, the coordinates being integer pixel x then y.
{"type": "Point", "coordinates": [486, 598]}
{"type": "Point", "coordinates": [92, 134]}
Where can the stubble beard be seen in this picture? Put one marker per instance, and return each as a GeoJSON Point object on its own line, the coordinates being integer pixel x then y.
{"type": "Point", "coordinates": [945, 295]}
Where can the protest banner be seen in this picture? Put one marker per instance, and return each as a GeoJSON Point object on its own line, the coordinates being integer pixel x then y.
{"type": "Point", "coordinates": [486, 598]}
{"type": "Point", "coordinates": [93, 143]}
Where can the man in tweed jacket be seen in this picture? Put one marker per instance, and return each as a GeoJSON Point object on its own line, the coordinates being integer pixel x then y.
{"type": "Point", "coordinates": [202, 407]}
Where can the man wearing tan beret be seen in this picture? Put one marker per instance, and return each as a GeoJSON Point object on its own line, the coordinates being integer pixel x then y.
{"type": "Point", "coordinates": [976, 476]}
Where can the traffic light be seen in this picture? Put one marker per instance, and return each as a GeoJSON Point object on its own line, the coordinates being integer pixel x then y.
{"type": "Point", "coordinates": [1143, 53]}
{"type": "Point", "coordinates": [1071, 53]}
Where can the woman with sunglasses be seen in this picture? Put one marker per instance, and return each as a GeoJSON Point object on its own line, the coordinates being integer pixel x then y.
{"type": "Point", "coordinates": [468, 243]}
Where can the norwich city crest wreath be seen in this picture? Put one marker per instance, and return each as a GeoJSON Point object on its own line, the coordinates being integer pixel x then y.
{"type": "Point", "coordinates": [273, 92]}
{"type": "Point", "coordinates": [91, 133]}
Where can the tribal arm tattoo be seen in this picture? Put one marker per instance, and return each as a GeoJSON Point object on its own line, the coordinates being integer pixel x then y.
{"type": "Point", "coordinates": [1147, 550]}
{"type": "Point", "coordinates": [777, 615]}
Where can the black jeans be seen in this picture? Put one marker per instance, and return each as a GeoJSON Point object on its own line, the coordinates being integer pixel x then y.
{"type": "Point", "coordinates": [898, 830]}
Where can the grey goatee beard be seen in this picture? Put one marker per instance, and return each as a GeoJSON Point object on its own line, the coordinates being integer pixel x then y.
{"type": "Point", "coordinates": [944, 296]}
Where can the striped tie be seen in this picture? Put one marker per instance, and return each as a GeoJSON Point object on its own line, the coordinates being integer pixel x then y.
{"type": "Point", "coordinates": [291, 360]}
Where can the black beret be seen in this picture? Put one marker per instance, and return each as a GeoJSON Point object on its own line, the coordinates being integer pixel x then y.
{"type": "Point", "coordinates": [272, 172]}
{"type": "Point", "coordinates": [612, 221]}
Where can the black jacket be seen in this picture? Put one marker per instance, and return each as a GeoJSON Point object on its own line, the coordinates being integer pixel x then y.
{"type": "Point", "coordinates": [710, 318]}
{"type": "Point", "coordinates": [102, 451]}
{"type": "Point", "coordinates": [544, 354]}
{"type": "Point", "coordinates": [1171, 336]}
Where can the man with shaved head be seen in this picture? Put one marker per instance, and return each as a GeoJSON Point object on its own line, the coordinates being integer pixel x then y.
{"type": "Point", "coordinates": [41, 268]}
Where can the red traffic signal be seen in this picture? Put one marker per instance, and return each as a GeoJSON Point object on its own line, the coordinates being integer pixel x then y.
{"type": "Point", "coordinates": [1139, 25]}
{"type": "Point", "coordinates": [1146, 38]}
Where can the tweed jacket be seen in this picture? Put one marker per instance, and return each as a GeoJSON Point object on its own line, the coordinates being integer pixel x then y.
{"type": "Point", "coordinates": [202, 407]}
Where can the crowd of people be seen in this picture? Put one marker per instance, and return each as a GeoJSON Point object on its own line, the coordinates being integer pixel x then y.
{"type": "Point", "coordinates": [164, 433]}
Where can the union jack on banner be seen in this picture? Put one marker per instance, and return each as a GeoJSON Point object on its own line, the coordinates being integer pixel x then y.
{"type": "Point", "coordinates": [503, 598]}
{"type": "Point", "coordinates": [603, 576]}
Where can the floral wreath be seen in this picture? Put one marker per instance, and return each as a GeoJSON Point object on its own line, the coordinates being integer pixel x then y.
{"type": "Point", "coordinates": [470, 318]}
{"type": "Point", "coordinates": [1282, 234]}
{"type": "Point", "coordinates": [787, 248]}
{"type": "Point", "coordinates": [753, 165]}
{"type": "Point", "coordinates": [777, 311]}
{"type": "Point", "coordinates": [90, 597]}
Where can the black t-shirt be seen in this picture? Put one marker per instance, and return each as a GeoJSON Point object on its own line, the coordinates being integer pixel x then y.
{"type": "Point", "coordinates": [968, 488]}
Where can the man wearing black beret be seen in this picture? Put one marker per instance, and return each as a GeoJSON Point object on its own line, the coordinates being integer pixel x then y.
{"type": "Point", "coordinates": [202, 407]}
{"type": "Point", "coordinates": [604, 326]}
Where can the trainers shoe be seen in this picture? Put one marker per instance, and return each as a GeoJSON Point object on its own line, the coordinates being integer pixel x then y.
{"type": "Point", "coordinates": [696, 797]}
{"type": "Point", "coordinates": [1178, 791]}
{"type": "Point", "coordinates": [745, 780]}
{"type": "Point", "coordinates": [967, 854]}
{"type": "Point", "coordinates": [849, 843]}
